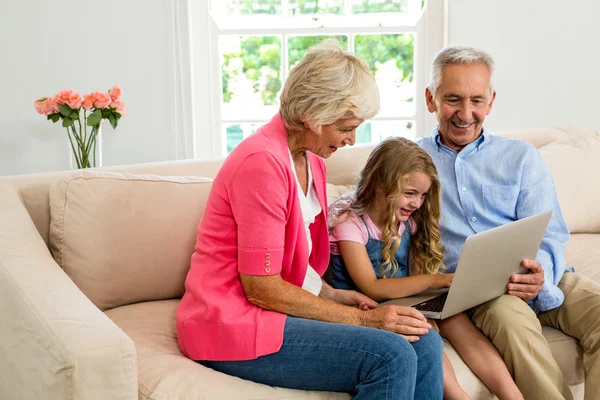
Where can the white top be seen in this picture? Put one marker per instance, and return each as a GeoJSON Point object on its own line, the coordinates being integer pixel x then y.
{"type": "Point", "coordinates": [310, 206]}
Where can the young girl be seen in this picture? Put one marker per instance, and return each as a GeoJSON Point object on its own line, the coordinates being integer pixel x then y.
{"type": "Point", "coordinates": [385, 243]}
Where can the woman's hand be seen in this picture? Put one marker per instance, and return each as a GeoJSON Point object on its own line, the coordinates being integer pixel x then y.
{"type": "Point", "coordinates": [440, 281]}
{"type": "Point", "coordinates": [353, 298]}
{"type": "Point", "coordinates": [433, 324]}
{"type": "Point", "coordinates": [405, 321]}
{"type": "Point", "coordinates": [347, 297]}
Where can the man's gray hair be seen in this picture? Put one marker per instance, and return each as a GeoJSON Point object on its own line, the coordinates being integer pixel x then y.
{"type": "Point", "coordinates": [452, 55]}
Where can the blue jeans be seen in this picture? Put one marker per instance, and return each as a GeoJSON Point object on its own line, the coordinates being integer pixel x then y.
{"type": "Point", "coordinates": [367, 362]}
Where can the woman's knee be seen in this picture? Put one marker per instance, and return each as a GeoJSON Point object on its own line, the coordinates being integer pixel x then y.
{"type": "Point", "coordinates": [429, 348]}
{"type": "Point", "coordinates": [395, 352]}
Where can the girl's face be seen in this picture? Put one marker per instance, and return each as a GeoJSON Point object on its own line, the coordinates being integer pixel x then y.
{"type": "Point", "coordinates": [412, 196]}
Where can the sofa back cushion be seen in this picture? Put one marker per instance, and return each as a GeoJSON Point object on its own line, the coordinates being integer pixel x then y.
{"type": "Point", "coordinates": [125, 238]}
{"type": "Point", "coordinates": [574, 162]}
{"type": "Point", "coordinates": [343, 168]}
{"type": "Point", "coordinates": [540, 136]}
{"type": "Point", "coordinates": [34, 188]}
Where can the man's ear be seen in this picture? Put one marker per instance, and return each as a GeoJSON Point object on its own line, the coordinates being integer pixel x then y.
{"type": "Point", "coordinates": [430, 101]}
{"type": "Point", "coordinates": [489, 110]}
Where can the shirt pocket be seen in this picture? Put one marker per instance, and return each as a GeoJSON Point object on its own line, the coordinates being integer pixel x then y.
{"type": "Point", "coordinates": [500, 200]}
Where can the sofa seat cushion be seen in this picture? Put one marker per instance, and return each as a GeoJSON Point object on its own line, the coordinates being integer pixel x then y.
{"type": "Point", "coordinates": [164, 373]}
{"type": "Point", "coordinates": [568, 354]}
{"type": "Point", "coordinates": [125, 238]}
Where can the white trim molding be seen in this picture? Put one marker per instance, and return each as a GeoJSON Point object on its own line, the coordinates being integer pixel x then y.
{"type": "Point", "coordinates": [183, 80]}
{"type": "Point", "coordinates": [432, 33]}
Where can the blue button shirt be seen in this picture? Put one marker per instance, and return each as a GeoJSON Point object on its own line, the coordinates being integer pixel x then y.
{"type": "Point", "coordinates": [493, 181]}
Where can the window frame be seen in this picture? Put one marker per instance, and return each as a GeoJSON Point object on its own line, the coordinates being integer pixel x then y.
{"type": "Point", "coordinates": [433, 15]}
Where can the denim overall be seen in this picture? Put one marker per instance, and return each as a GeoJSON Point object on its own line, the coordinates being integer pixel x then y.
{"type": "Point", "coordinates": [340, 278]}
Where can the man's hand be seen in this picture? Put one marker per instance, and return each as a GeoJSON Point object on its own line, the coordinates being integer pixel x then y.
{"type": "Point", "coordinates": [527, 286]}
{"type": "Point", "coordinates": [354, 299]}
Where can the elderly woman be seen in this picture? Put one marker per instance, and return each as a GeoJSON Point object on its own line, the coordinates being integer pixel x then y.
{"type": "Point", "coordinates": [255, 306]}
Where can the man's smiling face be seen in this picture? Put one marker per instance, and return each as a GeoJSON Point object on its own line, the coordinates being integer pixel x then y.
{"type": "Point", "coordinates": [461, 103]}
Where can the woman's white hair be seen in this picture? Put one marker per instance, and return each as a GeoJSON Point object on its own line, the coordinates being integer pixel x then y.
{"type": "Point", "coordinates": [328, 84]}
{"type": "Point", "coordinates": [452, 55]}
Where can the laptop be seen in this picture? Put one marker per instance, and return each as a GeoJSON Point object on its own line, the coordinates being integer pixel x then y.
{"type": "Point", "coordinates": [487, 261]}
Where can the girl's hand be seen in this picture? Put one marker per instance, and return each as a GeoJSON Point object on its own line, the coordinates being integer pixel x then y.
{"type": "Point", "coordinates": [440, 281]}
{"type": "Point", "coordinates": [353, 298]}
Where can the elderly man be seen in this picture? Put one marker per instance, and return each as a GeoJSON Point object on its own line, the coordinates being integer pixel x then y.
{"type": "Point", "coordinates": [488, 181]}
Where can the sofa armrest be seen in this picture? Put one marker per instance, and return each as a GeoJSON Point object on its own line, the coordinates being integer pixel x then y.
{"type": "Point", "coordinates": [54, 343]}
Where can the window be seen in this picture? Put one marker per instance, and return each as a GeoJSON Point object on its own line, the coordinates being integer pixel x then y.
{"type": "Point", "coordinates": [257, 42]}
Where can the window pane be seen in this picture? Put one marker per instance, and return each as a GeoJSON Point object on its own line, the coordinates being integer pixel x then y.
{"type": "Point", "coordinates": [376, 131]}
{"type": "Point", "coordinates": [363, 133]}
{"type": "Point", "coordinates": [237, 7]}
{"type": "Point", "coordinates": [235, 133]}
{"type": "Point", "coordinates": [311, 7]}
{"type": "Point", "coordinates": [385, 6]}
{"type": "Point", "coordinates": [390, 58]}
{"type": "Point", "coordinates": [298, 45]}
{"type": "Point", "coordinates": [251, 76]}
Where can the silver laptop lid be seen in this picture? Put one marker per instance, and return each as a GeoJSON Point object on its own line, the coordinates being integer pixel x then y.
{"type": "Point", "coordinates": [489, 258]}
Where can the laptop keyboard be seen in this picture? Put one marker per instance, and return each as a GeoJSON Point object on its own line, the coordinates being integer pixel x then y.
{"type": "Point", "coordinates": [433, 305]}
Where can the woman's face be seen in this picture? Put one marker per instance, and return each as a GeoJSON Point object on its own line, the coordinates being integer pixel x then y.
{"type": "Point", "coordinates": [333, 136]}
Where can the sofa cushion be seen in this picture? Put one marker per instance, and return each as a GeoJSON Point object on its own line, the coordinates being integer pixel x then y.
{"type": "Point", "coordinates": [164, 373]}
{"type": "Point", "coordinates": [124, 238]}
{"type": "Point", "coordinates": [573, 162]}
{"type": "Point", "coordinates": [343, 168]}
{"type": "Point", "coordinates": [583, 253]}
{"type": "Point", "coordinates": [568, 354]}
{"type": "Point", "coordinates": [335, 191]}
{"type": "Point", "coordinates": [538, 137]}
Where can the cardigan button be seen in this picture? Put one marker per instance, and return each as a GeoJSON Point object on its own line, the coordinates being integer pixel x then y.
{"type": "Point", "coordinates": [267, 270]}
{"type": "Point", "coordinates": [268, 255]}
{"type": "Point", "coordinates": [267, 263]}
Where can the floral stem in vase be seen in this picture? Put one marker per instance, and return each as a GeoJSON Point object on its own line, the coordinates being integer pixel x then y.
{"type": "Point", "coordinates": [75, 152]}
{"type": "Point", "coordinates": [82, 146]}
{"type": "Point", "coordinates": [94, 140]}
{"type": "Point", "coordinates": [95, 148]}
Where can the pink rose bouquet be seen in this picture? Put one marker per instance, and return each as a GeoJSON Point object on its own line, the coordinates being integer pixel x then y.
{"type": "Point", "coordinates": [80, 112]}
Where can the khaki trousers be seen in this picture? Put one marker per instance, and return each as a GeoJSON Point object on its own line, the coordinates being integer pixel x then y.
{"type": "Point", "coordinates": [516, 332]}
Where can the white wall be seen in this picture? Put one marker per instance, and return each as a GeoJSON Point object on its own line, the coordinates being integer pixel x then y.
{"type": "Point", "coordinates": [85, 46]}
{"type": "Point", "coordinates": [547, 55]}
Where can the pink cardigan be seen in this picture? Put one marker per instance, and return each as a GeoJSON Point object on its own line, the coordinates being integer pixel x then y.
{"type": "Point", "coordinates": [252, 225]}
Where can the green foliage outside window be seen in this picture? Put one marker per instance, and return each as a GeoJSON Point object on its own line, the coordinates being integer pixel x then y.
{"type": "Point", "coordinates": [375, 49]}
{"type": "Point", "coordinates": [259, 59]}
{"type": "Point", "coordinates": [315, 7]}
{"type": "Point", "coordinates": [298, 45]}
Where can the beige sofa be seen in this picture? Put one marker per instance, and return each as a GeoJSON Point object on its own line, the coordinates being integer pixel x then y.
{"type": "Point", "coordinates": [92, 265]}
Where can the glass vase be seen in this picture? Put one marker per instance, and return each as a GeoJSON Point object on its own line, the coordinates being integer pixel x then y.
{"type": "Point", "coordinates": [86, 145]}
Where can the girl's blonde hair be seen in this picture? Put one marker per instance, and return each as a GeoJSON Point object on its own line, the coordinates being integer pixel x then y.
{"type": "Point", "coordinates": [327, 85]}
{"type": "Point", "coordinates": [386, 173]}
